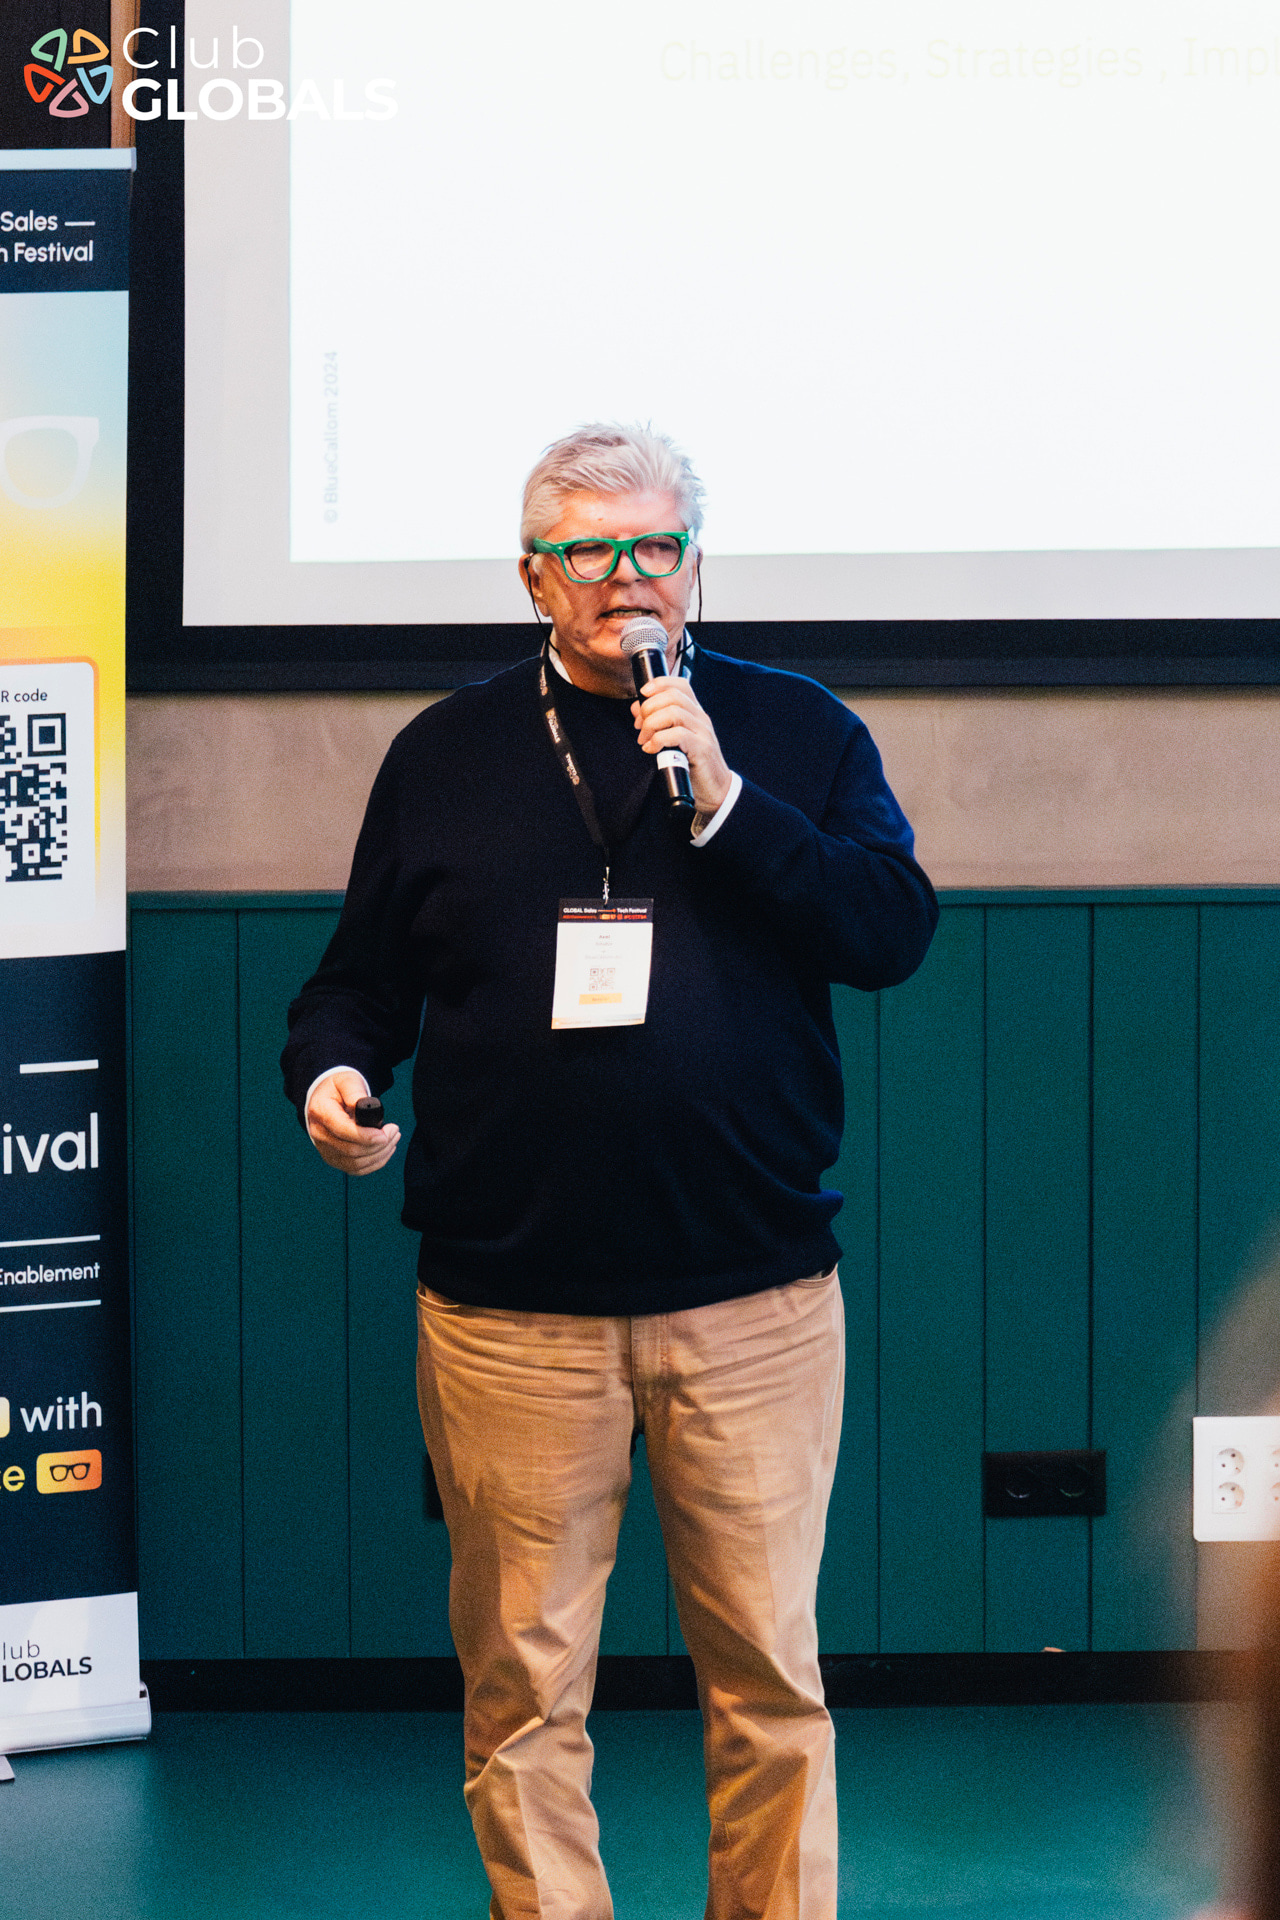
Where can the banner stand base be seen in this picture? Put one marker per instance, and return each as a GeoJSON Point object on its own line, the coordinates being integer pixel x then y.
{"type": "Point", "coordinates": [6, 1771]}
{"type": "Point", "coordinates": [76, 1726]}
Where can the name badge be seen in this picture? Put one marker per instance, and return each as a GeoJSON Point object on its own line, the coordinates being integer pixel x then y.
{"type": "Point", "coordinates": [603, 954]}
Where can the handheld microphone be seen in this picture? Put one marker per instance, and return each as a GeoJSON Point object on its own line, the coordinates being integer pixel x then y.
{"type": "Point", "coordinates": [644, 641]}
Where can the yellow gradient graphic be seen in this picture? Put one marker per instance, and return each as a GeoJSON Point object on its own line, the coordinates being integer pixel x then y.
{"type": "Point", "coordinates": [4, 1418]}
{"type": "Point", "coordinates": [65, 355]}
{"type": "Point", "coordinates": [61, 1472]}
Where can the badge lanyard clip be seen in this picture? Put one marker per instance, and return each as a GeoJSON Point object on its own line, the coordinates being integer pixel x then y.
{"type": "Point", "coordinates": [564, 753]}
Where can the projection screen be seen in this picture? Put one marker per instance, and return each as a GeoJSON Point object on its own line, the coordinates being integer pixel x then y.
{"type": "Point", "coordinates": [964, 312]}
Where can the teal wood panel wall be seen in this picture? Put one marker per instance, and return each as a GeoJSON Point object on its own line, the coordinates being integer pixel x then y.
{"type": "Point", "coordinates": [1061, 1165]}
{"type": "Point", "coordinates": [1036, 1307]}
{"type": "Point", "coordinates": [931, 1096]}
{"type": "Point", "coordinates": [186, 1245]}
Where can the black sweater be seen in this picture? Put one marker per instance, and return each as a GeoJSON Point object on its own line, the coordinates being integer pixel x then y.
{"type": "Point", "coordinates": [617, 1170]}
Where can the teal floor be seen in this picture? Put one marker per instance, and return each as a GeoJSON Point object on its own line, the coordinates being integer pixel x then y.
{"type": "Point", "coordinates": [1009, 1813]}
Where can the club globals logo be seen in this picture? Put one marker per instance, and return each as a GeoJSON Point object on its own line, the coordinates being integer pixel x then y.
{"type": "Point", "coordinates": [251, 93]}
{"type": "Point", "coordinates": [21, 1661]}
{"type": "Point", "coordinates": [69, 72]}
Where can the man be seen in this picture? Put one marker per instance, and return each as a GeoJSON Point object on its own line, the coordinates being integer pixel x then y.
{"type": "Point", "coordinates": [626, 1090]}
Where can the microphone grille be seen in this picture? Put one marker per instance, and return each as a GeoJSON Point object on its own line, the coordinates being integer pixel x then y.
{"type": "Point", "coordinates": [642, 633]}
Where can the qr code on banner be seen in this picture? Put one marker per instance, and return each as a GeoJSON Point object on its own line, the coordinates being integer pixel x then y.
{"type": "Point", "coordinates": [601, 979]}
{"type": "Point", "coordinates": [33, 797]}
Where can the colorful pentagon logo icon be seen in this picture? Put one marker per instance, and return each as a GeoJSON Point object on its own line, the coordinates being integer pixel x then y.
{"type": "Point", "coordinates": [65, 69]}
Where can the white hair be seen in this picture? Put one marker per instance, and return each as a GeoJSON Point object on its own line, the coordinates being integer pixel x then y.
{"type": "Point", "coordinates": [608, 459]}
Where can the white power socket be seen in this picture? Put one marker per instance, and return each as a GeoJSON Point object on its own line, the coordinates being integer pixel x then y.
{"type": "Point", "coordinates": [1235, 1477]}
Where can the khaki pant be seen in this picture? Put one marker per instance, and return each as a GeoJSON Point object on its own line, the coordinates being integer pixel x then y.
{"type": "Point", "coordinates": [529, 1419]}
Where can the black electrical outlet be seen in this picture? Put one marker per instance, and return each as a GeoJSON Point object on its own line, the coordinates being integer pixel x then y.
{"type": "Point", "coordinates": [1040, 1486]}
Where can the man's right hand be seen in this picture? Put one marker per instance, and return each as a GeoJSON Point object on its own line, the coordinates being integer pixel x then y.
{"type": "Point", "coordinates": [338, 1140]}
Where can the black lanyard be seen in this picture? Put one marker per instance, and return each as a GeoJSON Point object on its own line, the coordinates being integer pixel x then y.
{"type": "Point", "coordinates": [558, 735]}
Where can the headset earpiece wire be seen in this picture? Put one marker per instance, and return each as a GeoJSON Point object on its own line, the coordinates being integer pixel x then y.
{"type": "Point", "coordinates": [528, 585]}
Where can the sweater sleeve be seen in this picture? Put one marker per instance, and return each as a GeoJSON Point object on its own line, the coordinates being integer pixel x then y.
{"type": "Point", "coordinates": [845, 890]}
{"type": "Point", "coordinates": [362, 1006]}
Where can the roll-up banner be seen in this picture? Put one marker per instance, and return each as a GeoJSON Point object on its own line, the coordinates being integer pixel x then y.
{"type": "Point", "coordinates": [68, 1578]}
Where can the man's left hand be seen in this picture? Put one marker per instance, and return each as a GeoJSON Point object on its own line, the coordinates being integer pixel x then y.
{"type": "Point", "coordinates": [668, 715]}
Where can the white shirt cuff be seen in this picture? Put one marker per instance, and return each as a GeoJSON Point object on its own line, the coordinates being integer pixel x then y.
{"type": "Point", "coordinates": [721, 813]}
{"type": "Point", "coordinates": [324, 1076]}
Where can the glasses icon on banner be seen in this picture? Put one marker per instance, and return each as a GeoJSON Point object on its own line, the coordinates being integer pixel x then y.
{"type": "Point", "coordinates": [83, 429]}
{"type": "Point", "coordinates": [68, 1472]}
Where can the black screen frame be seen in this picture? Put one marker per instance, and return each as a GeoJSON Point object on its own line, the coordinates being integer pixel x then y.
{"type": "Point", "coordinates": [164, 656]}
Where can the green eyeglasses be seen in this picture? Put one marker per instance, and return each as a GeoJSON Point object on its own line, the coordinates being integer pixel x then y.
{"type": "Point", "coordinates": [654, 555]}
